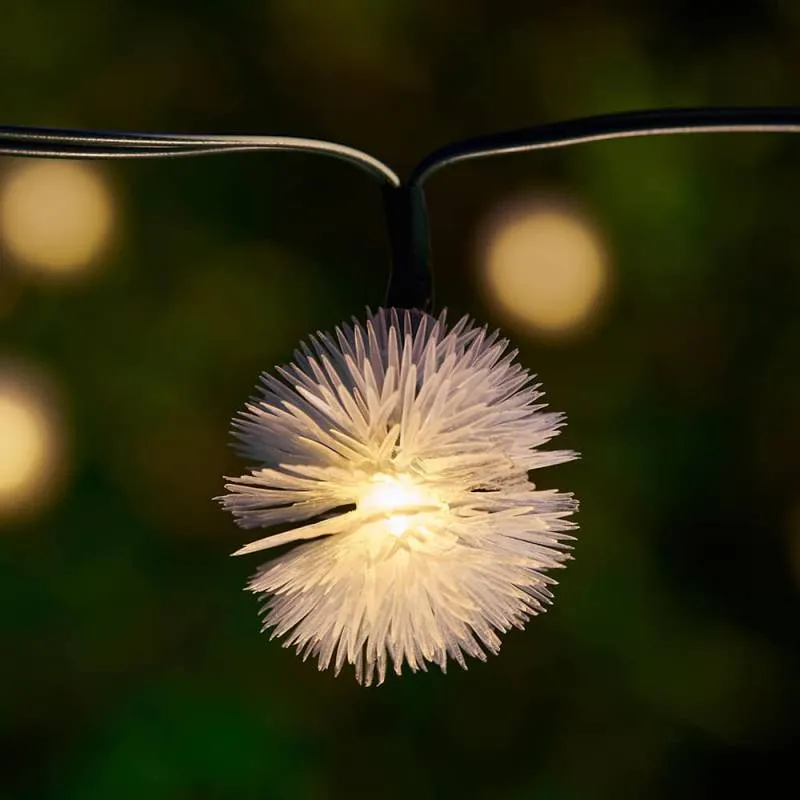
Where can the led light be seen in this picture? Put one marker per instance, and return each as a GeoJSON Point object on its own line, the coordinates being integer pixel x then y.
{"type": "Point", "coordinates": [386, 494]}
{"type": "Point", "coordinates": [398, 453]}
{"type": "Point", "coordinates": [391, 494]}
{"type": "Point", "coordinates": [398, 524]}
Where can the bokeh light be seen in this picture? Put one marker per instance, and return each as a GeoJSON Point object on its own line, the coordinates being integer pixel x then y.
{"type": "Point", "coordinates": [544, 266]}
{"type": "Point", "coordinates": [31, 441]}
{"type": "Point", "coordinates": [56, 217]}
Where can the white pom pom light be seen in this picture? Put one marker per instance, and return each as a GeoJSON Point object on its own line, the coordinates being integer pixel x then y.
{"type": "Point", "coordinates": [402, 450]}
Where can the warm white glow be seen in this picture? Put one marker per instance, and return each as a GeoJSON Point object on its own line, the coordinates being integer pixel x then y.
{"type": "Point", "coordinates": [390, 494]}
{"type": "Point", "coordinates": [396, 455]}
{"type": "Point", "coordinates": [30, 445]}
{"type": "Point", "coordinates": [545, 267]}
{"type": "Point", "coordinates": [387, 494]}
{"type": "Point", "coordinates": [55, 216]}
{"type": "Point", "coordinates": [398, 524]}
{"type": "Point", "coordinates": [23, 444]}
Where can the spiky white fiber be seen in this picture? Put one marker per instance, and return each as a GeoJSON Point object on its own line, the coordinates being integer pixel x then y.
{"type": "Point", "coordinates": [402, 450]}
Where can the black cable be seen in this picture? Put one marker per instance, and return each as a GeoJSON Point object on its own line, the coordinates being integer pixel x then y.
{"type": "Point", "coordinates": [54, 143]}
{"type": "Point", "coordinates": [611, 126]}
{"type": "Point", "coordinates": [411, 279]}
{"type": "Point", "coordinates": [410, 284]}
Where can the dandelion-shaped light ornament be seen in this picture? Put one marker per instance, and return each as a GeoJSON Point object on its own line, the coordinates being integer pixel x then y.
{"type": "Point", "coordinates": [401, 450]}
{"type": "Point", "coordinates": [393, 455]}
{"type": "Point", "coordinates": [396, 453]}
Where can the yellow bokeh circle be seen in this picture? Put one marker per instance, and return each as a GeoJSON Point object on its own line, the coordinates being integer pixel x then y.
{"type": "Point", "coordinates": [56, 217]}
{"type": "Point", "coordinates": [32, 452]}
{"type": "Point", "coordinates": [544, 267]}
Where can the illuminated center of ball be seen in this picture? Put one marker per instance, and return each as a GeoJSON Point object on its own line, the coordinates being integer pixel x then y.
{"type": "Point", "coordinates": [396, 499]}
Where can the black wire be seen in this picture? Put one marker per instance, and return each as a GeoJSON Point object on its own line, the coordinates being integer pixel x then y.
{"type": "Point", "coordinates": [55, 143]}
{"type": "Point", "coordinates": [410, 284]}
{"type": "Point", "coordinates": [611, 126]}
{"type": "Point", "coordinates": [411, 280]}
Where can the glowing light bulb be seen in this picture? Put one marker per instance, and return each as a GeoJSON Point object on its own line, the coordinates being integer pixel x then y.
{"type": "Point", "coordinates": [390, 494]}
{"type": "Point", "coordinates": [387, 494]}
{"type": "Point", "coordinates": [398, 524]}
{"type": "Point", "coordinates": [423, 538]}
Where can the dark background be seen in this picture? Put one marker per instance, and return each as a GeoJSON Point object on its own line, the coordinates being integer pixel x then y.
{"type": "Point", "coordinates": [131, 665]}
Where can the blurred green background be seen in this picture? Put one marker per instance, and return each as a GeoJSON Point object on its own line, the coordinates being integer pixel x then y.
{"type": "Point", "coordinates": [131, 665]}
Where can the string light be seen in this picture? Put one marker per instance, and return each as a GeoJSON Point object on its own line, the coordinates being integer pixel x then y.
{"type": "Point", "coordinates": [399, 451]}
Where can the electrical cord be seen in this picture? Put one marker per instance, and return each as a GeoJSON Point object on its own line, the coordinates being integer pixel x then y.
{"type": "Point", "coordinates": [411, 283]}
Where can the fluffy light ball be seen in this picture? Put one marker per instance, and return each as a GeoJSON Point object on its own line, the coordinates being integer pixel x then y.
{"type": "Point", "coordinates": [399, 452]}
